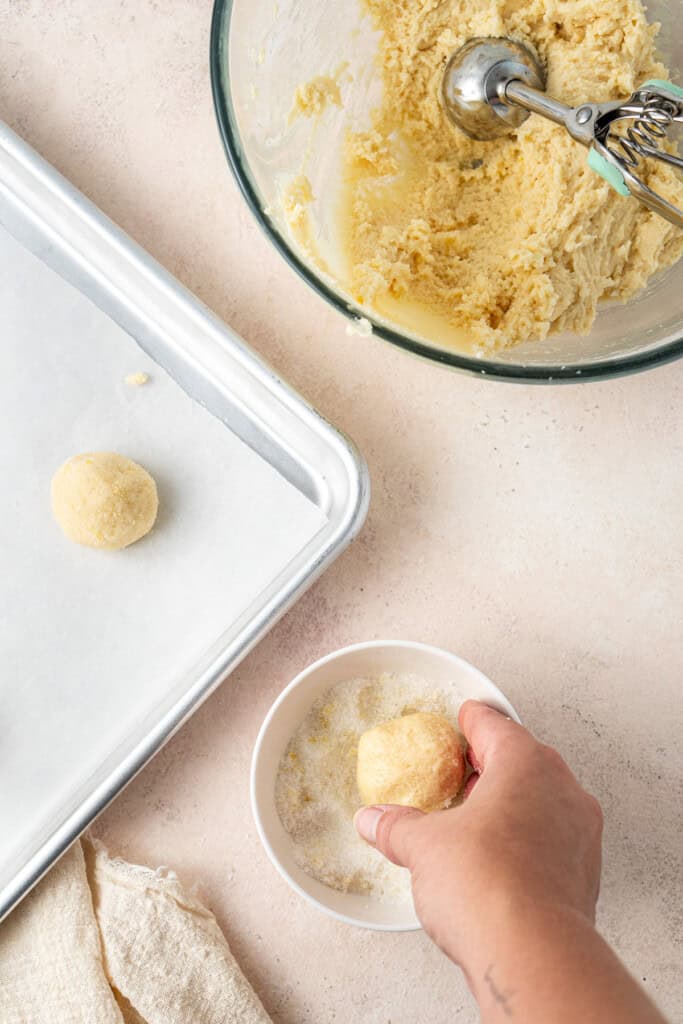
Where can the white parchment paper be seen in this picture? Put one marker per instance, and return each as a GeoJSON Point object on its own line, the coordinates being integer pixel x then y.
{"type": "Point", "coordinates": [90, 640]}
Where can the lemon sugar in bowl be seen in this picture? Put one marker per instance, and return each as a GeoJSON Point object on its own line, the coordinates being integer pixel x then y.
{"type": "Point", "coordinates": [303, 775]}
{"type": "Point", "coordinates": [510, 258]}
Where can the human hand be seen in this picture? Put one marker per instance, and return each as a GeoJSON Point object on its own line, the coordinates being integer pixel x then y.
{"type": "Point", "coordinates": [526, 837]}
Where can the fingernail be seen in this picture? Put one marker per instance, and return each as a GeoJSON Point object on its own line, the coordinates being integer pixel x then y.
{"type": "Point", "coordinates": [366, 821]}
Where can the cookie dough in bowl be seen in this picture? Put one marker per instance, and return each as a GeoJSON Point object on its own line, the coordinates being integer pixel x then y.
{"type": "Point", "coordinates": [508, 240]}
{"type": "Point", "coordinates": [509, 258]}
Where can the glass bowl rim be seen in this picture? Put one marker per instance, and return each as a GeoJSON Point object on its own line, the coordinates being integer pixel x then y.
{"type": "Point", "coordinates": [219, 60]}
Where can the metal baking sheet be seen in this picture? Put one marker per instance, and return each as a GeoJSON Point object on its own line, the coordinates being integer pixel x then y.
{"type": "Point", "coordinates": [104, 654]}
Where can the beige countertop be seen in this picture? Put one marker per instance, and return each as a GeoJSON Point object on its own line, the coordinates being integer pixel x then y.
{"type": "Point", "coordinates": [535, 531]}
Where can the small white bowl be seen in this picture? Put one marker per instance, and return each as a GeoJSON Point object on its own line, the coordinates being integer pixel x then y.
{"type": "Point", "coordinates": [438, 668]}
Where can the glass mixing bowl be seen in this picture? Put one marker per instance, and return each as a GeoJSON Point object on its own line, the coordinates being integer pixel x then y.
{"type": "Point", "coordinates": [261, 51]}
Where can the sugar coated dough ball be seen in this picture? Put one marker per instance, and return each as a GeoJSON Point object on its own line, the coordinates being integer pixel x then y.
{"type": "Point", "coordinates": [104, 500]}
{"type": "Point", "coordinates": [416, 761]}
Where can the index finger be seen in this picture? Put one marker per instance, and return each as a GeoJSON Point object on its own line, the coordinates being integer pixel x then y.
{"type": "Point", "coordinates": [484, 728]}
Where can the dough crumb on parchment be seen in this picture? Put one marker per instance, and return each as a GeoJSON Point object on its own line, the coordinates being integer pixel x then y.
{"type": "Point", "coordinates": [137, 380]}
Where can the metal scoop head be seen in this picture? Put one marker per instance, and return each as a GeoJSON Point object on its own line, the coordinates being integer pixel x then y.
{"type": "Point", "coordinates": [475, 79]}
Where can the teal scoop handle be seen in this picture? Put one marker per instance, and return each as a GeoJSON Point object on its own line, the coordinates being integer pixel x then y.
{"type": "Point", "coordinates": [655, 106]}
{"type": "Point", "coordinates": [617, 156]}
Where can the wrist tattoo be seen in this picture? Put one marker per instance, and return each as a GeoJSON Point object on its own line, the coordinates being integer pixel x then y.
{"type": "Point", "coordinates": [499, 995]}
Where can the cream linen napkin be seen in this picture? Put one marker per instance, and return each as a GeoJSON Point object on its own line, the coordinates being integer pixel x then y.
{"type": "Point", "coordinates": [99, 941]}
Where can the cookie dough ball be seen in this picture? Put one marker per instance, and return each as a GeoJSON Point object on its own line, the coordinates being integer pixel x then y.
{"type": "Point", "coordinates": [104, 500]}
{"type": "Point", "coordinates": [416, 761]}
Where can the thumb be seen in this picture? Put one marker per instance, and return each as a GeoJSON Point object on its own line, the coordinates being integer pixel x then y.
{"type": "Point", "coordinates": [390, 829]}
